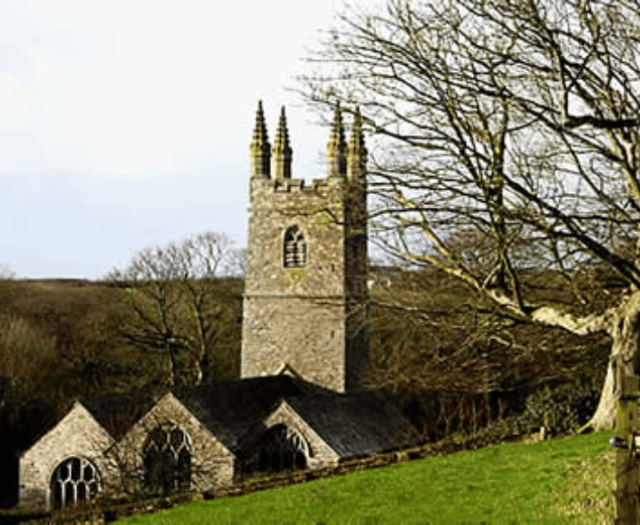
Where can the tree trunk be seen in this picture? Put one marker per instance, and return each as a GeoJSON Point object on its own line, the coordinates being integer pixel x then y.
{"type": "Point", "coordinates": [624, 329]}
{"type": "Point", "coordinates": [171, 379]}
{"type": "Point", "coordinates": [605, 415]}
{"type": "Point", "coordinates": [203, 358]}
{"type": "Point", "coordinates": [626, 462]}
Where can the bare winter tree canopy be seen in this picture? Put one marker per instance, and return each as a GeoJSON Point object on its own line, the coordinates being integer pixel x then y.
{"type": "Point", "coordinates": [176, 301]}
{"type": "Point", "coordinates": [6, 272]}
{"type": "Point", "coordinates": [512, 124]}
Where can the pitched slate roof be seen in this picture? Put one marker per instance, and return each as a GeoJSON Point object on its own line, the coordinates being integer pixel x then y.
{"type": "Point", "coordinates": [230, 409]}
{"type": "Point", "coordinates": [351, 424]}
{"type": "Point", "coordinates": [117, 413]}
{"type": "Point", "coordinates": [356, 424]}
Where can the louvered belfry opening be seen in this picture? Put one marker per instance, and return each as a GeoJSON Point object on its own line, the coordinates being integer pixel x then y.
{"type": "Point", "coordinates": [74, 481]}
{"type": "Point", "coordinates": [295, 248]}
{"type": "Point", "coordinates": [167, 459]}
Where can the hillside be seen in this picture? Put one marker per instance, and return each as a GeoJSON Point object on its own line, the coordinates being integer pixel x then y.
{"type": "Point", "coordinates": [428, 333]}
{"type": "Point", "coordinates": [565, 480]}
{"type": "Point", "coordinates": [451, 362]}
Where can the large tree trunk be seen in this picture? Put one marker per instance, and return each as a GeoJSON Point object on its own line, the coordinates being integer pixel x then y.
{"type": "Point", "coordinates": [623, 325]}
{"type": "Point", "coordinates": [605, 415]}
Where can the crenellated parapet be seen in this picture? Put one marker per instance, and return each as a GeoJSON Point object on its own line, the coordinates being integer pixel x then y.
{"type": "Point", "coordinates": [273, 167]}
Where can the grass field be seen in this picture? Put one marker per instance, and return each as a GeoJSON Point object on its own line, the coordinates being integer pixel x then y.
{"type": "Point", "coordinates": [564, 480]}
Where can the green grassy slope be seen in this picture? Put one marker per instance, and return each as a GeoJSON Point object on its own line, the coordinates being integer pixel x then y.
{"type": "Point", "coordinates": [565, 480]}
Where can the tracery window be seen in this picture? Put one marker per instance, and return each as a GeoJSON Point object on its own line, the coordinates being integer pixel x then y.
{"type": "Point", "coordinates": [282, 448]}
{"type": "Point", "coordinates": [167, 459]}
{"type": "Point", "coordinates": [74, 481]}
{"type": "Point", "coordinates": [295, 248]}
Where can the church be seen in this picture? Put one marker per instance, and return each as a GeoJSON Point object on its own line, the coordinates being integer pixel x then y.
{"type": "Point", "coordinates": [300, 402]}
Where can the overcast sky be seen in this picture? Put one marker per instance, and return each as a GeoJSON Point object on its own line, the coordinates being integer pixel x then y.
{"type": "Point", "coordinates": [127, 123]}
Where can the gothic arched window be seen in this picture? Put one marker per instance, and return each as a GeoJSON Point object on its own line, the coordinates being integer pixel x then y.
{"type": "Point", "coordinates": [167, 459]}
{"type": "Point", "coordinates": [74, 481]}
{"type": "Point", "coordinates": [295, 249]}
{"type": "Point", "coordinates": [282, 448]}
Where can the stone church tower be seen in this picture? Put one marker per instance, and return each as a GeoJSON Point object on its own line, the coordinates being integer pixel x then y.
{"type": "Point", "coordinates": [305, 288]}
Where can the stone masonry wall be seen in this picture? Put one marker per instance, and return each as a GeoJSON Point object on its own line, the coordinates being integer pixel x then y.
{"type": "Point", "coordinates": [295, 315]}
{"type": "Point", "coordinates": [77, 434]}
{"type": "Point", "coordinates": [317, 211]}
{"type": "Point", "coordinates": [308, 335]}
{"type": "Point", "coordinates": [321, 454]}
{"type": "Point", "coordinates": [212, 464]}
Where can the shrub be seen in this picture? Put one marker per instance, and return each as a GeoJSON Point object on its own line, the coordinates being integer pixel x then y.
{"type": "Point", "coordinates": [560, 409]}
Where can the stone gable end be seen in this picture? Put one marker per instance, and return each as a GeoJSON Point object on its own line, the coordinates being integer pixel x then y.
{"type": "Point", "coordinates": [212, 463]}
{"type": "Point", "coordinates": [76, 434]}
{"type": "Point", "coordinates": [321, 454]}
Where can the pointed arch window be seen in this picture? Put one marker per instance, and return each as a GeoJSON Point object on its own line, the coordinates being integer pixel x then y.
{"type": "Point", "coordinates": [295, 248]}
{"type": "Point", "coordinates": [167, 459]}
{"type": "Point", "coordinates": [282, 449]}
{"type": "Point", "coordinates": [74, 481]}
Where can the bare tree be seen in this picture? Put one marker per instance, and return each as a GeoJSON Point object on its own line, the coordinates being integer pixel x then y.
{"type": "Point", "coordinates": [154, 298]}
{"type": "Point", "coordinates": [431, 332]}
{"type": "Point", "coordinates": [6, 272]}
{"type": "Point", "coordinates": [236, 262]}
{"type": "Point", "coordinates": [24, 348]}
{"type": "Point", "coordinates": [517, 121]}
{"type": "Point", "coordinates": [176, 303]}
{"type": "Point", "coordinates": [199, 261]}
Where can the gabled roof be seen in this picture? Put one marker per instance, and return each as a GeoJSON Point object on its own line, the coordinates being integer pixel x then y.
{"type": "Point", "coordinates": [117, 413]}
{"type": "Point", "coordinates": [351, 424]}
{"type": "Point", "coordinates": [356, 424]}
{"type": "Point", "coordinates": [230, 409]}
{"type": "Point", "coordinates": [50, 426]}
